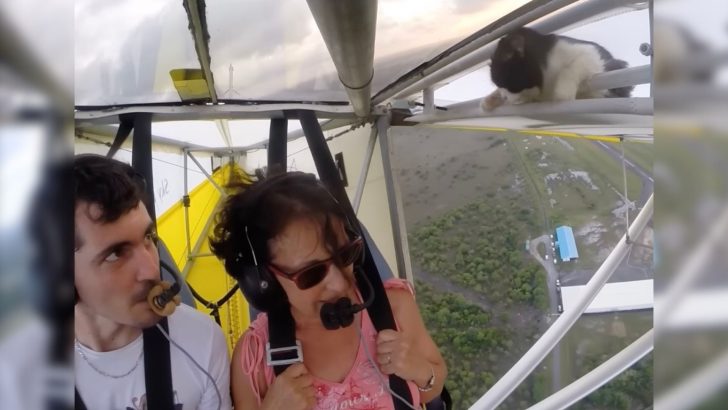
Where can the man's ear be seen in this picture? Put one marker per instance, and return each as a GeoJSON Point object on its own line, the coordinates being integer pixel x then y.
{"type": "Point", "coordinates": [518, 43]}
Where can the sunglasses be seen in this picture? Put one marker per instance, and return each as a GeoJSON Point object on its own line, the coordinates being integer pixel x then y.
{"type": "Point", "coordinates": [312, 275]}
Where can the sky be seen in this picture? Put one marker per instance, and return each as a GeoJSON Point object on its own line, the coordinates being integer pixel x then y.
{"type": "Point", "coordinates": [634, 29]}
{"type": "Point", "coordinates": [277, 52]}
{"type": "Point", "coordinates": [274, 48]}
{"type": "Point", "coordinates": [124, 50]}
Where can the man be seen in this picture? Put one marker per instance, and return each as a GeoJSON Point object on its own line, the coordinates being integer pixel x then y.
{"type": "Point", "coordinates": [116, 265]}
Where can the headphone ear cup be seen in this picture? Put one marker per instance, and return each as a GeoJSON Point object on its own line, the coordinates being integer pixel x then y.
{"type": "Point", "coordinates": [260, 288]}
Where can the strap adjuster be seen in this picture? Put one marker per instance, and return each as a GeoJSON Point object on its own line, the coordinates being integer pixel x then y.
{"type": "Point", "coordinates": [269, 354]}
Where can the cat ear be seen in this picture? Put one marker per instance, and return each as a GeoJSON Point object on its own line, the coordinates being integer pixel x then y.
{"type": "Point", "coordinates": [518, 43]}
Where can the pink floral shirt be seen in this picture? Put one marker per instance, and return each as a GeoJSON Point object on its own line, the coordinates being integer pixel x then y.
{"type": "Point", "coordinates": [361, 389]}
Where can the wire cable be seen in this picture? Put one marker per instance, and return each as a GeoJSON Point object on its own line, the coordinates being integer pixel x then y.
{"type": "Point", "coordinates": [219, 397]}
{"type": "Point", "coordinates": [379, 374]}
{"type": "Point", "coordinates": [626, 198]}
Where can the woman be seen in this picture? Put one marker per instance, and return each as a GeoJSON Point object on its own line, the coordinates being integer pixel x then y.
{"type": "Point", "coordinates": [291, 226]}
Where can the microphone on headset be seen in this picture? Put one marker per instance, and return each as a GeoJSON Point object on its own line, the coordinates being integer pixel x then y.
{"type": "Point", "coordinates": [341, 313]}
{"type": "Point", "coordinates": [164, 297]}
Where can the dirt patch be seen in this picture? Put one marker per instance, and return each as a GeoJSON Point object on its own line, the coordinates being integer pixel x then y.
{"type": "Point", "coordinates": [571, 176]}
{"type": "Point", "coordinates": [591, 233]}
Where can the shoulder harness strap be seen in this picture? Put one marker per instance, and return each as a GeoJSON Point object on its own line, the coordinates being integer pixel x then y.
{"type": "Point", "coordinates": [157, 368]}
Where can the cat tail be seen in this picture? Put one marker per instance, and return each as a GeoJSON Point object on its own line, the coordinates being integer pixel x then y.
{"type": "Point", "coordinates": [615, 64]}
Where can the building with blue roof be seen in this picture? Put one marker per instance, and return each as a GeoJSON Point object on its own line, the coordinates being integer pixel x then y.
{"type": "Point", "coordinates": [566, 243]}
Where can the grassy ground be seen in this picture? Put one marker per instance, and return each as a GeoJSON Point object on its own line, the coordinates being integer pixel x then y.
{"type": "Point", "coordinates": [599, 336]}
{"type": "Point", "coordinates": [440, 169]}
{"type": "Point", "coordinates": [641, 154]}
{"type": "Point", "coordinates": [585, 202]}
{"type": "Point", "coordinates": [577, 200]}
{"type": "Point", "coordinates": [456, 186]}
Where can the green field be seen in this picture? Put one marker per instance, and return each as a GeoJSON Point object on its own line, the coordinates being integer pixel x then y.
{"type": "Point", "coordinates": [576, 183]}
{"type": "Point", "coordinates": [641, 154]}
{"type": "Point", "coordinates": [577, 201]}
{"type": "Point", "coordinates": [489, 295]}
{"type": "Point", "coordinates": [597, 337]}
{"type": "Point", "coordinates": [471, 200]}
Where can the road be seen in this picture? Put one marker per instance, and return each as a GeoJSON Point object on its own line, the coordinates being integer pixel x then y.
{"type": "Point", "coordinates": [551, 275]}
{"type": "Point", "coordinates": [647, 181]}
{"type": "Point", "coordinates": [624, 272]}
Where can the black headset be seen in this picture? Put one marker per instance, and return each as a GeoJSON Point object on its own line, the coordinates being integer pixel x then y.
{"type": "Point", "coordinates": [256, 282]}
{"type": "Point", "coordinates": [341, 313]}
{"type": "Point", "coordinates": [264, 292]}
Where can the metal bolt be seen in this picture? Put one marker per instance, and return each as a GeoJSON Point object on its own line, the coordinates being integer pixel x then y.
{"type": "Point", "coordinates": [646, 49]}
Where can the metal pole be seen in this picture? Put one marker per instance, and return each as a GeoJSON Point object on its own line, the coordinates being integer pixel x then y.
{"type": "Point", "coordinates": [472, 109]}
{"type": "Point", "coordinates": [126, 124]}
{"type": "Point", "coordinates": [626, 198]}
{"type": "Point", "coordinates": [197, 25]}
{"type": "Point", "coordinates": [596, 378]}
{"type": "Point", "coordinates": [396, 213]}
{"type": "Point", "coordinates": [202, 255]}
{"type": "Point", "coordinates": [200, 241]}
{"type": "Point", "coordinates": [207, 174]}
{"type": "Point", "coordinates": [141, 157]}
{"type": "Point", "coordinates": [186, 205]}
{"type": "Point", "coordinates": [277, 145]}
{"type": "Point", "coordinates": [348, 29]}
{"type": "Point", "coordinates": [428, 99]}
{"type": "Point", "coordinates": [652, 44]}
{"type": "Point", "coordinates": [538, 351]}
{"type": "Point", "coordinates": [365, 169]}
{"type": "Point", "coordinates": [621, 78]}
{"type": "Point", "coordinates": [692, 269]}
{"type": "Point", "coordinates": [704, 383]}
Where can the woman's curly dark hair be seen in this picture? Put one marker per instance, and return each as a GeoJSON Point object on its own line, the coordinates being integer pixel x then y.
{"type": "Point", "coordinates": [266, 207]}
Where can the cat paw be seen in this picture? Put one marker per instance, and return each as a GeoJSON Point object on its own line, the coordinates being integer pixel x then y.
{"type": "Point", "coordinates": [492, 101]}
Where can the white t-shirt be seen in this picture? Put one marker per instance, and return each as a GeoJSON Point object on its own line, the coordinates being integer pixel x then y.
{"type": "Point", "coordinates": [196, 333]}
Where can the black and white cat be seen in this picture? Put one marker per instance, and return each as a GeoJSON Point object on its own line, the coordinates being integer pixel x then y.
{"type": "Point", "coordinates": [529, 66]}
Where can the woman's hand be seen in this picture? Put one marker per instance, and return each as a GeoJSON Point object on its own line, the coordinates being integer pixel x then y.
{"type": "Point", "coordinates": [397, 355]}
{"type": "Point", "coordinates": [291, 390]}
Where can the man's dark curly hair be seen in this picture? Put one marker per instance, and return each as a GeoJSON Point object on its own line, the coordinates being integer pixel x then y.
{"type": "Point", "coordinates": [112, 185]}
{"type": "Point", "coordinates": [266, 207]}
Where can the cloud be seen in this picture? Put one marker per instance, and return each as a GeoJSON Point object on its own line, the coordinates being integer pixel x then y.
{"type": "Point", "coordinates": [125, 50]}
{"type": "Point", "coordinates": [245, 28]}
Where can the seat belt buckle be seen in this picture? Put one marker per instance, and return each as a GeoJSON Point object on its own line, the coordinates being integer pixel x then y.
{"type": "Point", "coordinates": [269, 354]}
